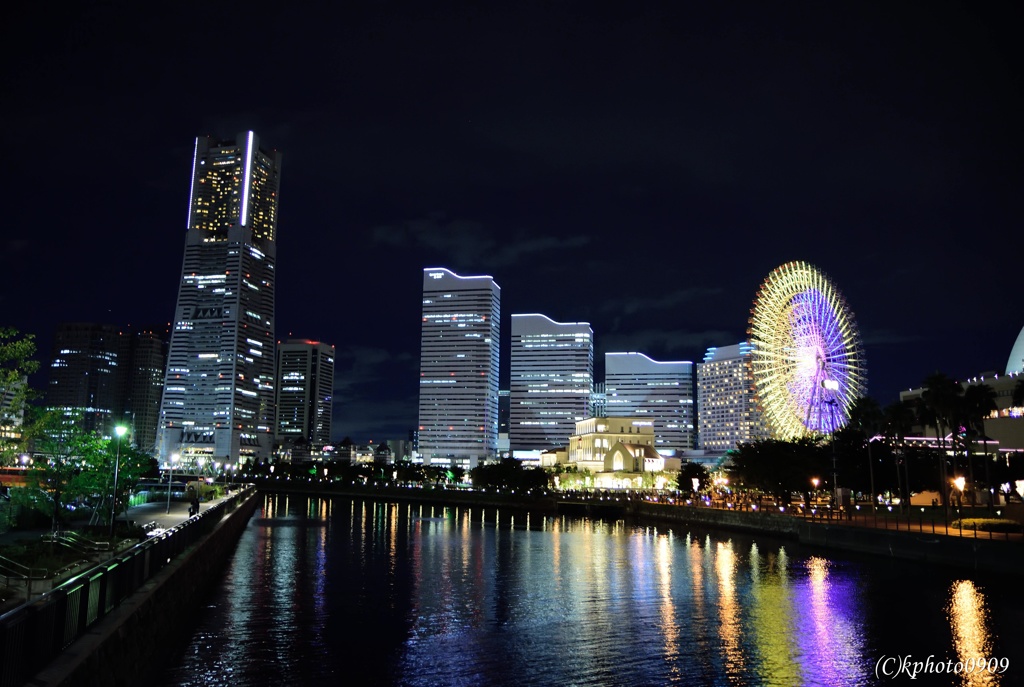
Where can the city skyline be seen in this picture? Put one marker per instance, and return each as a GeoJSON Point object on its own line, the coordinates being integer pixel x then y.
{"type": "Point", "coordinates": [641, 169]}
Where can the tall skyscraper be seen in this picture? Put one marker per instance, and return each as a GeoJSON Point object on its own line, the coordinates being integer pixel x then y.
{"type": "Point", "coordinates": [305, 393]}
{"type": "Point", "coordinates": [727, 410]}
{"type": "Point", "coordinates": [552, 380]}
{"type": "Point", "coordinates": [459, 343]}
{"type": "Point", "coordinates": [87, 374]}
{"type": "Point", "coordinates": [109, 376]}
{"type": "Point", "coordinates": [144, 384]}
{"type": "Point", "coordinates": [218, 401]}
{"type": "Point", "coordinates": [661, 392]}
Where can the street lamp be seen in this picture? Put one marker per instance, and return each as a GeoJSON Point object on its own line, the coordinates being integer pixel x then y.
{"type": "Point", "coordinates": [815, 482]}
{"type": "Point", "coordinates": [170, 478]}
{"type": "Point", "coordinates": [959, 483]}
{"type": "Point", "coordinates": [120, 431]}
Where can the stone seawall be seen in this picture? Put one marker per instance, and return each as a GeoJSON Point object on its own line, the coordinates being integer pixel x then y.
{"type": "Point", "coordinates": [1004, 557]}
{"type": "Point", "coordinates": [147, 629]}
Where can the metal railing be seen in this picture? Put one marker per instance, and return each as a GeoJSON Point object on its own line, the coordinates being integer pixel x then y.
{"type": "Point", "coordinates": [13, 570]}
{"type": "Point", "coordinates": [35, 633]}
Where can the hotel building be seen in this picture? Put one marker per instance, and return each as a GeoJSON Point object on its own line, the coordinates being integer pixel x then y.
{"type": "Point", "coordinates": [305, 392]}
{"type": "Point", "coordinates": [218, 400]}
{"type": "Point", "coordinates": [552, 380]}
{"type": "Point", "coordinates": [459, 344]}
{"type": "Point", "coordinates": [727, 410]}
{"type": "Point", "coordinates": [660, 392]}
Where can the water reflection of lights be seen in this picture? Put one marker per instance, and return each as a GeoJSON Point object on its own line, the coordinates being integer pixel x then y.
{"type": "Point", "coordinates": [972, 641]}
{"type": "Point", "coordinates": [771, 616]}
{"type": "Point", "coordinates": [728, 610]}
{"type": "Point", "coordinates": [830, 634]}
{"type": "Point", "coordinates": [667, 610]}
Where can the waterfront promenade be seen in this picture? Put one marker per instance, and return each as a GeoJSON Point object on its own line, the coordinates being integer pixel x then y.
{"type": "Point", "coordinates": [15, 591]}
{"type": "Point", "coordinates": [109, 622]}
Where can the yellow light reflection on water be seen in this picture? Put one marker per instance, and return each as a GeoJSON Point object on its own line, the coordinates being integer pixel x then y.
{"type": "Point", "coordinates": [730, 628]}
{"type": "Point", "coordinates": [972, 640]}
{"type": "Point", "coordinates": [667, 609]}
{"type": "Point", "coordinates": [772, 619]}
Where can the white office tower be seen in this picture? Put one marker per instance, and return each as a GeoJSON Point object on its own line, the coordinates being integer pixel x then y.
{"type": "Point", "coordinates": [218, 399]}
{"type": "Point", "coordinates": [305, 393]}
{"type": "Point", "coordinates": [459, 343]}
{"type": "Point", "coordinates": [727, 410]}
{"type": "Point", "coordinates": [552, 365]}
{"type": "Point", "coordinates": [650, 390]}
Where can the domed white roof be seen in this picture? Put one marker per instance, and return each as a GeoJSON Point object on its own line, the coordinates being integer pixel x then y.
{"type": "Point", "coordinates": [1016, 361]}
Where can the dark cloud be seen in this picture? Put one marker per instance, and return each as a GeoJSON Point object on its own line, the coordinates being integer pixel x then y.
{"type": "Point", "coordinates": [468, 242]}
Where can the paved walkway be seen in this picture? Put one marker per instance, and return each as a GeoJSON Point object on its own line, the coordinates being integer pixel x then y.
{"type": "Point", "coordinates": [13, 592]}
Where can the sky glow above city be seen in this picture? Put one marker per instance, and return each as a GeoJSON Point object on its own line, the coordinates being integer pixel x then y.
{"type": "Point", "coordinates": [640, 167]}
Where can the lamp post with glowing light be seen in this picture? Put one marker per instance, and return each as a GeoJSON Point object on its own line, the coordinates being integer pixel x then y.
{"type": "Point", "coordinates": [959, 483]}
{"type": "Point", "coordinates": [170, 478]}
{"type": "Point", "coordinates": [120, 431]}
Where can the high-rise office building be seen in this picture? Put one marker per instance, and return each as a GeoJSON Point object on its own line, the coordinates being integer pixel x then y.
{"type": "Point", "coordinates": [109, 376]}
{"type": "Point", "coordinates": [727, 410]}
{"type": "Point", "coordinates": [305, 392]}
{"type": "Point", "coordinates": [552, 366]}
{"type": "Point", "coordinates": [218, 401]}
{"type": "Point", "coordinates": [87, 374]}
{"type": "Point", "coordinates": [459, 343]}
{"type": "Point", "coordinates": [144, 384]}
{"type": "Point", "coordinates": [659, 392]}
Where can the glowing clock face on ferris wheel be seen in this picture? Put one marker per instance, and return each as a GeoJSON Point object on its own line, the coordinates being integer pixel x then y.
{"type": "Point", "coordinates": [808, 361]}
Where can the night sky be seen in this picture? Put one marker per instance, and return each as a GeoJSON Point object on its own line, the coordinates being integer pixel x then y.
{"type": "Point", "coordinates": [639, 166]}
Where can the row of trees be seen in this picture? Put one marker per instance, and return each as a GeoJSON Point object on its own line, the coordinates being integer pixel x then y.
{"type": "Point", "coordinates": [871, 454]}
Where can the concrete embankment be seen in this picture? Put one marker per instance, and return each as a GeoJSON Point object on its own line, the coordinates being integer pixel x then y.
{"type": "Point", "coordinates": [146, 630]}
{"type": "Point", "coordinates": [995, 555]}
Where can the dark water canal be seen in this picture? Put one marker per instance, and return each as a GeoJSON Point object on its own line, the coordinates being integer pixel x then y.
{"type": "Point", "coordinates": [325, 591]}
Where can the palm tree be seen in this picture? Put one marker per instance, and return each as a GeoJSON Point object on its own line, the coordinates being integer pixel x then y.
{"type": "Point", "coordinates": [1018, 393]}
{"type": "Point", "coordinates": [939, 402]}
{"type": "Point", "coordinates": [979, 403]}
{"type": "Point", "coordinates": [899, 419]}
{"type": "Point", "coordinates": [866, 416]}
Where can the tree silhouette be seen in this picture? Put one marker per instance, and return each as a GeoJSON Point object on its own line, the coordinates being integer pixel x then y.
{"type": "Point", "coordinates": [979, 403]}
{"type": "Point", "coordinates": [940, 403]}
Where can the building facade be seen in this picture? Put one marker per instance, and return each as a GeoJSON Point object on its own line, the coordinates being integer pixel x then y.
{"type": "Point", "coordinates": [87, 374]}
{"type": "Point", "coordinates": [218, 400]}
{"type": "Point", "coordinates": [552, 381]}
{"type": "Point", "coordinates": [305, 395]}
{"type": "Point", "coordinates": [144, 386]}
{"type": "Point", "coordinates": [593, 439]}
{"type": "Point", "coordinates": [459, 355]}
{"type": "Point", "coordinates": [661, 392]}
{"type": "Point", "coordinates": [108, 376]}
{"type": "Point", "coordinates": [727, 410]}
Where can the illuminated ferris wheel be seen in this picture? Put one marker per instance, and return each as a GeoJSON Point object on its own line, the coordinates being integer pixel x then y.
{"type": "Point", "coordinates": [808, 361]}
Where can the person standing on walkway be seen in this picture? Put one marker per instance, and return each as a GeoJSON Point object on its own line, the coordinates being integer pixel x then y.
{"type": "Point", "coordinates": [192, 491]}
